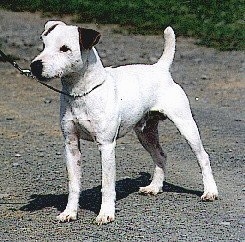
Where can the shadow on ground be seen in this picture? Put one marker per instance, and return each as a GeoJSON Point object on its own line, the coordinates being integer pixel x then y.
{"type": "Point", "coordinates": [90, 199]}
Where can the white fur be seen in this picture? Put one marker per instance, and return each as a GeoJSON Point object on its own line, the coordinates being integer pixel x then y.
{"type": "Point", "coordinates": [125, 100]}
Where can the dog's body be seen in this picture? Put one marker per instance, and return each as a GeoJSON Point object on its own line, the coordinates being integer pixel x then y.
{"type": "Point", "coordinates": [105, 103]}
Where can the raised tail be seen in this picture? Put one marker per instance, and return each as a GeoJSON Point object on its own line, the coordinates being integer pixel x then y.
{"type": "Point", "coordinates": [169, 48]}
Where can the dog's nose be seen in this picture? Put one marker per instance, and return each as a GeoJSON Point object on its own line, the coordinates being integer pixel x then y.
{"type": "Point", "coordinates": [37, 68]}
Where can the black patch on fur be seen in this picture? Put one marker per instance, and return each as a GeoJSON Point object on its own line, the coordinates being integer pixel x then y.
{"type": "Point", "coordinates": [50, 29]}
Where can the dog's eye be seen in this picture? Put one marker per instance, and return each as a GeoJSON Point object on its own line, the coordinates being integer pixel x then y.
{"type": "Point", "coordinates": [64, 48]}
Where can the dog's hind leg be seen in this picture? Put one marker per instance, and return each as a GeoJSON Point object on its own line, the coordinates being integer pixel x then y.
{"type": "Point", "coordinates": [190, 131]}
{"type": "Point", "coordinates": [177, 109]}
{"type": "Point", "coordinates": [147, 133]}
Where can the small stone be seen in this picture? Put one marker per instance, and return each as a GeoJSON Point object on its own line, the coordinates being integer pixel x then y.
{"type": "Point", "coordinates": [40, 48]}
{"type": "Point", "coordinates": [9, 118]}
{"type": "Point", "coordinates": [204, 77]}
{"type": "Point", "coordinates": [103, 54]}
{"type": "Point", "coordinates": [47, 100]}
{"type": "Point", "coordinates": [242, 221]}
{"type": "Point", "coordinates": [16, 164]}
{"type": "Point", "coordinates": [17, 155]}
{"type": "Point", "coordinates": [153, 59]}
{"type": "Point", "coordinates": [225, 223]}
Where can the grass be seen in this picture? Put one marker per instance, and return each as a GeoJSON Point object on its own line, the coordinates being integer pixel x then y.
{"type": "Point", "coordinates": [215, 23]}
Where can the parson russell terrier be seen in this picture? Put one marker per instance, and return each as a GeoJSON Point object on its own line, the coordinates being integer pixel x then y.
{"type": "Point", "coordinates": [105, 103]}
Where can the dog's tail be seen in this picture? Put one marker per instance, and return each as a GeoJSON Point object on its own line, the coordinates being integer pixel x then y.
{"type": "Point", "coordinates": [169, 48]}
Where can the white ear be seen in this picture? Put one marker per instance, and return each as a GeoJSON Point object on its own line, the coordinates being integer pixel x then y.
{"type": "Point", "coordinates": [51, 23]}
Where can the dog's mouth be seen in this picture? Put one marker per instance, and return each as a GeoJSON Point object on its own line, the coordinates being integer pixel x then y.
{"type": "Point", "coordinates": [44, 79]}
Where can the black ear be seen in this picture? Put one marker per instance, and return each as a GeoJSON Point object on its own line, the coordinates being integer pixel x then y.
{"type": "Point", "coordinates": [88, 38]}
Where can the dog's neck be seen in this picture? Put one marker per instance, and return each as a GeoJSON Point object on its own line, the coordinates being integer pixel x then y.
{"type": "Point", "coordinates": [91, 75]}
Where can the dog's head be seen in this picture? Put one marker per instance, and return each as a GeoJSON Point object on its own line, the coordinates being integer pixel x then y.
{"type": "Point", "coordinates": [64, 50]}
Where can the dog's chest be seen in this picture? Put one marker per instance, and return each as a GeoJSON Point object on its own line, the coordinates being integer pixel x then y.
{"type": "Point", "coordinates": [82, 120]}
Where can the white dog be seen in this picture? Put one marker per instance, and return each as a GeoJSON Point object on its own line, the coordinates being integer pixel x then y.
{"type": "Point", "coordinates": [103, 104]}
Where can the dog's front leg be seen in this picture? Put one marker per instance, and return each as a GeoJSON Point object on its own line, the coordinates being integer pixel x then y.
{"type": "Point", "coordinates": [73, 156]}
{"type": "Point", "coordinates": [107, 211]}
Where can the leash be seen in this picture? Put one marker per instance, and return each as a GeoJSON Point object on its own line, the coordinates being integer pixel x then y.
{"type": "Point", "coordinates": [15, 65]}
{"type": "Point", "coordinates": [27, 73]}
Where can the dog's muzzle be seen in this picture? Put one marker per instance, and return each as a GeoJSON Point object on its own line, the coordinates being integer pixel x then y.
{"type": "Point", "coordinates": [37, 69]}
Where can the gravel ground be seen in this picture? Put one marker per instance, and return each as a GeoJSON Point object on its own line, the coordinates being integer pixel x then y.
{"type": "Point", "coordinates": [33, 187]}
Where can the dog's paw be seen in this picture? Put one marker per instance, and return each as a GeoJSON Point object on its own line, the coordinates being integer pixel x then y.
{"type": "Point", "coordinates": [67, 216]}
{"type": "Point", "coordinates": [105, 216]}
{"type": "Point", "coordinates": [209, 196]}
{"type": "Point", "coordinates": [151, 190]}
